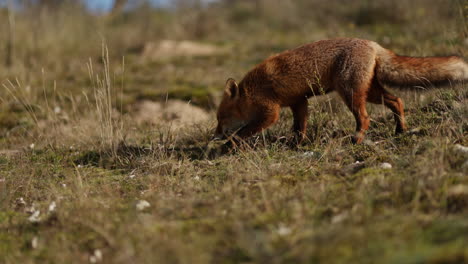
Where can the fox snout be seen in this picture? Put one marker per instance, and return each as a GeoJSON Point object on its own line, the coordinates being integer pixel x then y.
{"type": "Point", "coordinates": [218, 136]}
{"type": "Point", "coordinates": [226, 131]}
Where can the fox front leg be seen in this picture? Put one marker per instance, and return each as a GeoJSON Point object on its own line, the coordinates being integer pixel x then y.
{"type": "Point", "coordinates": [300, 115]}
{"type": "Point", "coordinates": [266, 116]}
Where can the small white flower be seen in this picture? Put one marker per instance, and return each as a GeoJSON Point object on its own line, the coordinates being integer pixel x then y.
{"type": "Point", "coordinates": [64, 185]}
{"type": "Point", "coordinates": [80, 166]}
{"type": "Point", "coordinates": [284, 230]}
{"type": "Point", "coordinates": [20, 201]}
{"type": "Point", "coordinates": [34, 242]}
{"type": "Point", "coordinates": [96, 257]}
{"type": "Point", "coordinates": [52, 207]}
{"type": "Point", "coordinates": [57, 109]}
{"type": "Point", "coordinates": [32, 146]}
{"type": "Point", "coordinates": [34, 218]}
{"type": "Point", "coordinates": [197, 178]}
{"type": "Point", "coordinates": [385, 165]}
{"type": "Point", "coordinates": [142, 205]}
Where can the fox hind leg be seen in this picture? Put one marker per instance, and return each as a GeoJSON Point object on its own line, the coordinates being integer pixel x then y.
{"type": "Point", "coordinates": [395, 104]}
{"type": "Point", "coordinates": [379, 95]}
{"type": "Point", "coordinates": [355, 99]}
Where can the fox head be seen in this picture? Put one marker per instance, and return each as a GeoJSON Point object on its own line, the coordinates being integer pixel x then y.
{"type": "Point", "coordinates": [232, 112]}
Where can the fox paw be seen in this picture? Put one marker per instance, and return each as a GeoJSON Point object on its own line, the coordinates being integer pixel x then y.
{"type": "Point", "coordinates": [357, 139]}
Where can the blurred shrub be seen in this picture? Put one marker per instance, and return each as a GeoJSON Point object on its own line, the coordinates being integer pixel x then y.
{"type": "Point", "coordinates": [68, 31]}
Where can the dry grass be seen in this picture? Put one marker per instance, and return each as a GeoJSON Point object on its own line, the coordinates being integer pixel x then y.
{"type": "Point", "coordinates": [69, 136]}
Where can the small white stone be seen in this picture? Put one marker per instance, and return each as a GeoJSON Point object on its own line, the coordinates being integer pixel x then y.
{"type": "Point", "coordinates": [197, 178]}
{"type": "Point", "coordinates": [96, 256]}
{"type": "Point", "coordinates": [142, 205]}
{"type": "Point", "coordinates": [57, 109]}
{"type": "Point", "coordinates": [52, 207]}
{"type": "Point", "coordinates": [284, 230]}
{"type": "Point", "coordinates": [339, 218]}
{"type": "Point", "coordinates": [385, 165]}
{"type": "Point", "coordinates": [34, 242]}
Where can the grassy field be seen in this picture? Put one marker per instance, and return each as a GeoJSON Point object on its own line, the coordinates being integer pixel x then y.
{"type": "Point", "coordinates": [84, 178]}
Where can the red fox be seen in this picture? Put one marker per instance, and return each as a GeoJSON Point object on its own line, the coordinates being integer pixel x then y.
{"type": "Point", "coordinates": [355, 68]}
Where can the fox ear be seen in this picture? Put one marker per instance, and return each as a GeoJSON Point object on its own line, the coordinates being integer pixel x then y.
{"type": "Point", "coordinates": [231, 89]}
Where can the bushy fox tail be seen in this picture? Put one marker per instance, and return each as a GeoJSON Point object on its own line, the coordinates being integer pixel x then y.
{"type": "Point", "coordinates": [426, 72]}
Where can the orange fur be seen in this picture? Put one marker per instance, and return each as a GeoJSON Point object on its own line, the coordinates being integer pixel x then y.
{"type": "Point", "coordinates": [357, 69]}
